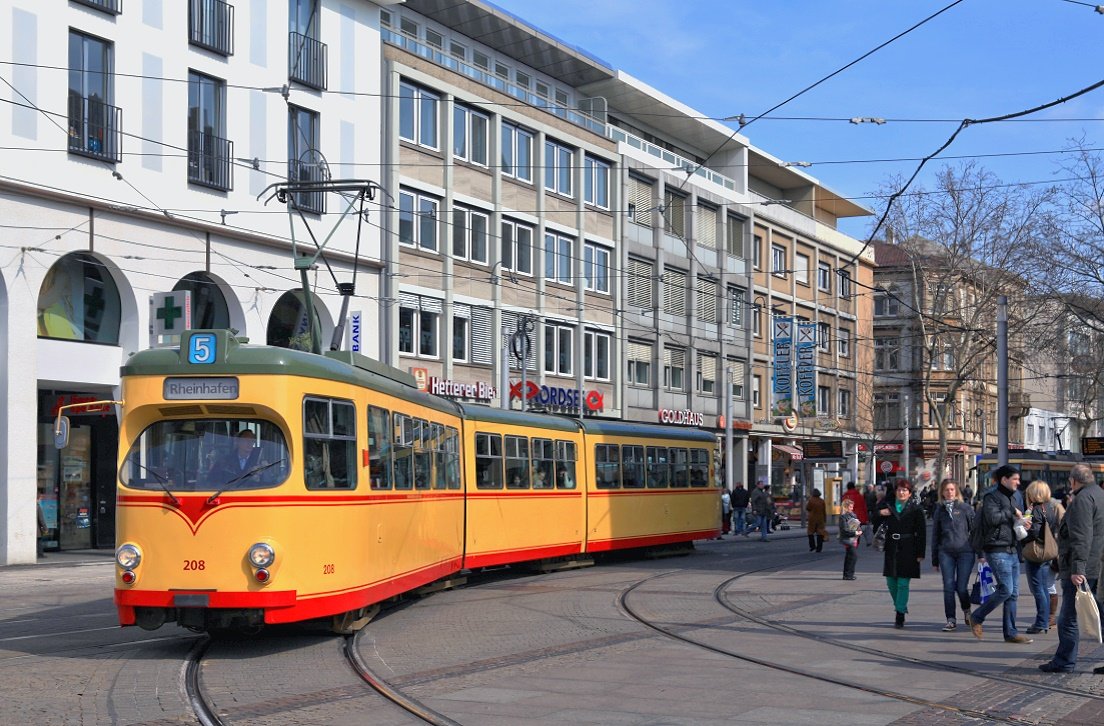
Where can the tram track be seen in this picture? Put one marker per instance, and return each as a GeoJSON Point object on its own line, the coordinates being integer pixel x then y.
{"type": "Point", "coordinates": [672, 633]}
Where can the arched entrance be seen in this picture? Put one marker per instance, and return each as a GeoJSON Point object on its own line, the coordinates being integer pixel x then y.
{"type": "Point", "coordinates": [287, 324]}
{"type": "Point", "coordinates": [79, 301]}
{"type": "Point", "coordinates": [211, 307]}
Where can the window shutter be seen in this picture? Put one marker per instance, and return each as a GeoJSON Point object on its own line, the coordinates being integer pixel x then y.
{"type": "Point", "coordinates": [481, 336]}
{"type": "Point", "coordinates": [639, 351]}
{"type": "Point", "coordinates": [461, 310]}
{"type": "Point", "coordinates": [674, 292]}
{"type": "Point", "coordinates": [674, 357]}
{"type": "Point", "coordinates": [408, 300]}
{"type": "Point", "coordinates": [674, 210]}
{"type": "Point", "coordinates": [707, 300]}
{"type": "Point", "coordinates": [431, 304]}
{"type": "Point", "coordinates": [640, 283]}
{"type": "Point", "coordinates": [706, 230]}
{"type": "Point", "coordinates": [642, 200]}
{"type": "Point", "coordinates": [707, 364]}
{"type": "Point", "coordinates": [739, 370]}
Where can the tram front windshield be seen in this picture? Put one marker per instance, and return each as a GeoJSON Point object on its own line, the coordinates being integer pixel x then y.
{"type": "Point", "coordinates": [207, 454]}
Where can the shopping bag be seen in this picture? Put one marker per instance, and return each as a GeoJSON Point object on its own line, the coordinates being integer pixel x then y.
{"type": "Point", "coordinates": [1088, 614]}
{"type": "Point", "coordinates": [985, 584]}
{"type": "Point", "coordinates": [880, 537]}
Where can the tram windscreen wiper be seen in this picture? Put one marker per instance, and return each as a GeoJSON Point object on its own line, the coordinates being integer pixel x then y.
{"type": "Point", "coordinates": [244, 475]}
{"type": "Point", "coordinates": [162, 481]}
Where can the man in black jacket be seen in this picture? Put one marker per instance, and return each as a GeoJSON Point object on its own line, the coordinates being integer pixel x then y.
{"type": "Point", "coordinates": [1080, 543]}
{"type": "Point", "coordinates": [998, 546]}
{"type": "Point", "coordinates": [740, 499]}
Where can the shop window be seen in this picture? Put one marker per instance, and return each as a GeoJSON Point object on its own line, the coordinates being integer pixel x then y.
{"type": "Point", "coordinates": [79, 301]}
{"type": "Point", "coordinates": [209, 309]}
{"type": "Point", "coordinates": [287, 325]}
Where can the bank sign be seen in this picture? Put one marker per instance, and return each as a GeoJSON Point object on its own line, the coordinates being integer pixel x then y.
{"type": "Point", "coordinates": [555, 397]}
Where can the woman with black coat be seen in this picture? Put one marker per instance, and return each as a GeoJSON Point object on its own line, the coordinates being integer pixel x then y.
{"type": "Point", "coordinates": [906, 542]}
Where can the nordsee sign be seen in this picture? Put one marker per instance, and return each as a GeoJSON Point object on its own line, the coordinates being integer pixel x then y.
{"type": "Point", "coordinates": [193, 389]}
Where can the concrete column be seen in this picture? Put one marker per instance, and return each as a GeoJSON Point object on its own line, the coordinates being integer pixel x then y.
{"type": "Point", "coordinates": [740, 474]}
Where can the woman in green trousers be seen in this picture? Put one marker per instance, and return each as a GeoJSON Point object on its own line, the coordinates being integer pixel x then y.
{"type": "Point", "coordinates": [906, 540]}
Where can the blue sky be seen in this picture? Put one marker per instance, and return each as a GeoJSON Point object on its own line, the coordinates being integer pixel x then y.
{"type": "Point", "coordinates": [981, 58]}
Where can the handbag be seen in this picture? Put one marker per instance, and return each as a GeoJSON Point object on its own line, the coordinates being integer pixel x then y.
{"type": "Point", "coordinates": [880, 537]}
{"type": "Point", "coordinates": [1088, 614]}
{"type": "Point", "coordinates": [1043, 548]}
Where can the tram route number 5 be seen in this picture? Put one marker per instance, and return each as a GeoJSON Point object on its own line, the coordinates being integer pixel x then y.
{"type": "Point", "coordinates": [202, 348]}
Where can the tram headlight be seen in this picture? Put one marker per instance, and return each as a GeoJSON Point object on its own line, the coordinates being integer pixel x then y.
{"type": "Point", "coordinates": [128, 556]}
{"type": "Point", "coordinates": [262, 555]}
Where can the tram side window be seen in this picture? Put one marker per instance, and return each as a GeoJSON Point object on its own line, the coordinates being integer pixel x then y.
{"type": "Point", "coordinates": [423, 454]}
{"type": "Point", "coordinates": [517, 462]}
{"type": "Point", "coordinates": [440, 456]}
{"type": "Point", "coordinates": [452, 453]}
{"type": "Point", "coordinates": [659, 468]}
{"type": "Point", "coordinates": [632, 467]}
{"type": "Point", "coordinates": [404, 453]}
{"type": "Point", "coordinates": [329, 444]}
{"type": "Point", "coordinates": [680, 468]}
{"type": "Point", "coordinates": [607, 466]}
{"type": "Point", "coordinates": [379, 448]}
{"type": "Point", "coordinates": [542, 464]}
{"type": "Point", "coordinates": [699, 468]}
{"type": "Point", "coordinates": [565, 464]}
{"type": "Point", "coordinates": [488, 461]}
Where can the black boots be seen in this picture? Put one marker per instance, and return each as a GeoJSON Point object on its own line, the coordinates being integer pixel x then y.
{"type": "Point", "coordinates": [819, 542]}
{"type": "Point", "coordinates": [812, 543]}
{"type": "Point", "coordinates": [816, 543]}
{"type": "Point", "coordinates": [899, 621]}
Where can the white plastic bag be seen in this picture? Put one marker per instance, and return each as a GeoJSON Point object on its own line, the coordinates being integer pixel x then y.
{"type": "Point", "coordinates": [1088, 614]}
{"type": "Point", "coordinates": [987, 578]}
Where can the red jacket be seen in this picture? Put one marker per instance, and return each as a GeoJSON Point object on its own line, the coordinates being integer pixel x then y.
{"type": "Point", "coordinates": [860, 505]}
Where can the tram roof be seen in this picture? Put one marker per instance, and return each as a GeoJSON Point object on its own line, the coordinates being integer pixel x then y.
{"type": "Point", "coordinates": [645, 430]}
{"type": "Point", "coordinates": [490, 414]}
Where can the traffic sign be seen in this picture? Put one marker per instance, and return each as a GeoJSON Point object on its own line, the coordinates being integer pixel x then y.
{"type": "Point", "coordinates": [886, 466]}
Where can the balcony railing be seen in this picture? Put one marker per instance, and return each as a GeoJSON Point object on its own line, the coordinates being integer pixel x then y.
{"type": "Point", "coordinates": [95, 129]}
{"type": "Point", "coordinates": [115, 7]}
{"type": "Point", "coordinates": [211, 25]}
{"type": "Point", "coordinates": [671, 158]}
{"type": "Point", "coordinates": [210, 161]}
{"type": "Point", "coordinates": [307, 61]}
{"type": "Point", "coordinates": [489, 79]}
{"type": "Point", "coordinates": [305, 172]}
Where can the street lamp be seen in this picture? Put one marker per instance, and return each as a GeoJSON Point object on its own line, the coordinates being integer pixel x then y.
{"type": "Point", "coordinates": [980, 413]}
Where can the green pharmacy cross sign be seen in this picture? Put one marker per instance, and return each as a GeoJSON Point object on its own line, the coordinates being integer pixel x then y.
{"type": "Point", "coordinates": [170, 315]}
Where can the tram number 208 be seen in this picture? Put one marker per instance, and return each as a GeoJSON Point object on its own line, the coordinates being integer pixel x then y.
{"type": "Point", "coordinates": [195, 565]}
{"type": "Point", "coordinates": [327, 569]}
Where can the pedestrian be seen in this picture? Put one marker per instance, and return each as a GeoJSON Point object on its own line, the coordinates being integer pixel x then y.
{"type": "Point", "coordinates": [997, 539]}
{"type": "Point", "coordinates": [870, 497]}
{"type": "Point", "coordinates": [817, 521]}
{"type": "Point", "coordinates": [761, 508]}
{"type": "Point", "coordinates": [740, 499]}
{"type": "Point", "coordinates": [726, 511]}
{"type": "Point", "coordinates": [906, 533]}
{"type": "Point", "coordinates": [859, 505]}
{"type": "Point", "coordinates": [968, 495]}
{"type": "Point", "coordinates": [1046, 515]}
{"type": "Point", "coordinates": [952, 554]}
{"type": "Point", "coordinates": [850, 531]}
{"type": "Point", "coordinates": [43, 530]}
{"type": "Point", "coordinates": [1080, 546]}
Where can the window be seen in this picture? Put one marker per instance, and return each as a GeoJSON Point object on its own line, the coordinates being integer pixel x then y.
{"type": "Point", "coordinates": [736, 304]}
{"type": "Point", "coordinates": [641, 200]}
{"type": "Point", "coordinates": [379, 448]}
{"type": "Point", "coordinates": [887, 411]}
{"type": "Point", "coordinates": [734, 236]}
{"type": "Point", "coordinates": [488, 461]}
{"type": "Point", "coordinates": [79, 301]}
{"type": "Point", "coordinates": [944, 408]}
{"type": "Point", "coordinates": [843, 343]}
{"type": "Point", "coordinates": [418, 320]}
{"type": "Point", "coordinates": [432, 38]}
{"type": "Point", "coordinates": [824, 277]}
{"type": "Point", "coordinates": [403, 456]}
{"type": "Point", "coordinates": [757, 251]}
{"type": "Point", "coordinates": [639, 355]}
{"type": "Point", "coordinates": [641, 284]}
{"type": "Point", "coordinates": [943, 358]}
{"type": "Point", "coordinates": [887, 354]}
{"type": "Point", "coordinates": [211, 25]}
{"type": "Point", "coordinates": [674, 291]}
{"type": "Point", "coordinates": [756, 321]}
{"type": "Point", "coordinates": [517, 152]}
{"type": "Point", "coordinates": [480, 60]}
{"type": "Point", "coordinates": [739, 374]}
{"type": "Point", "coordinates": [209, 153]}
{"type": "Point", "coordinates": [557, 168]}
{"type": "Point", "coordinates": [306, 54]}
{"type": "Point", "coordinates": [596, 355]}
{"type": "Point", "coordinates": [756, 385]}
{"type": "Point", "coordinates": [706, 381]}
{"type": "Point", "coordinates": [596, 178]}
{"type": "Point", "coordinates": [417, 220]}
{"type": "Point", "coordinates": [543, 463]}
{"type": "Point", "coordinates": [565, 465]}
{"type": "Point", "coordinates": [517, 462]}
{"type": "Point", "coordinates": [108, 6]}
{"type": "Point", "coordinates": [461, 335]}
{"type": "Point", "coordinates": [458, 51]}
{"type": "Point", "coordinates": [801, 268]}
{"type": "Point", "coordinates": [418, 115]}
{"type": "Point", "coordinates": [824, 336]}
{"type": "Point", "coordinates": [558, 254]}
{"type": "Point", "coordinates": [659, 467]}
{"type": "Point", "coordinates": [557, 349]}
{"type": "Point", "coordinates": [469, 235]}
{"type": "Point", "coordinates": [304, 161]}
{"type": "Point", "coordinates": [706, 228]}
{"type": "Point", "coordinates": [674, 366]}
{"type": "Point", "coordinates": [778, 261]}
{"type": "Point", "coordinates": [329, 444]}
{"type": "Point", "coordinates": [886, 305]}
{"type": "Point", "coordinates": [607, 466]}
{"type": "Point", "coordinates": [708, 290]}
{"type": "Point", "coordinates": [844, 284]}
{"type": "Point", "coordinates": [824, 400]}
{"type": "Point", "coordinates": [470, 129]}
{"type": "Point", "coordinates": [843, 407]}
{"type": "Point", "coordinates": [517, 247]}
{"type": "Point", "coordinates": [699, 468]}
{"type": "Point", "coordinates": [674, 212]}
{"type": "Point", "coordinates": [632, 467]}
{"type": "Point", "coordinates": [596, 267]}
{"type": "Point", "coordinates": [680, 467]}
{"type": "Point", "coordinates": [94, 124]}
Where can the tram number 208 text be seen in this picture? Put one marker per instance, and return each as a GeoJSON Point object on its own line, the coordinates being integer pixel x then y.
{"type": "Point", "coordinates": [195, 565]}
{"type": "Point", "coordinates": [327, 569]}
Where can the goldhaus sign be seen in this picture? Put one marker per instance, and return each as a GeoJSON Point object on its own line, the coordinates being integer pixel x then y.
{"type": "Point", "coordinates": [684, 417]}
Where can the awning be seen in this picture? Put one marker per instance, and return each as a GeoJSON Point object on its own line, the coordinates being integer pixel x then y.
{"type": "Point", "coordinates": [792, 451]}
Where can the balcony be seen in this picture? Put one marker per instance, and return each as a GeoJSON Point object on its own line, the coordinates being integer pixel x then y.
{"type": "Point", "coordinates": [307, 61]}
{"type": "Point", "coordinates": [585, 120]}
{"type": "Point", "coordinates": [211, 26]}
{"type": "Point", "coordinates": [671, 158]}
{"type": "Point", "coordinates": [95, 129]}
{"type": "Point", "coordinates": [114, 7]}
{"type": "Point", "coordinates": [303, 172]}
{"type": "Point", "coordinates": [210, 161]}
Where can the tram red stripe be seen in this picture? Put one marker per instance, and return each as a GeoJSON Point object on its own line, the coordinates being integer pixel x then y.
{"type": "Point", "coordinates": [503, 557]}
{"type": "Point", "coordinates": [620, 543]}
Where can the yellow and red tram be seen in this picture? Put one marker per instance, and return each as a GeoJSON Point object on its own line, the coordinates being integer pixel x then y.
{"type": "Point", "coordinates": [264, 485]}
